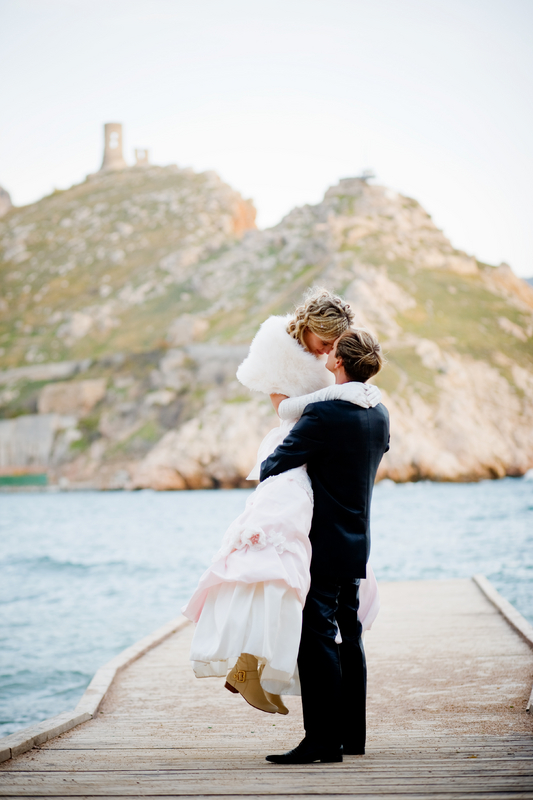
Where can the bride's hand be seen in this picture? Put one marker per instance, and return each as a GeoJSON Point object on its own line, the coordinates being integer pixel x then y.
{"type": "Point", "coordinates": [361, 394]}
{"type": "Point", "coordinates": [373, 394]}
{"type": "Point", "coordinates": [277, 399]}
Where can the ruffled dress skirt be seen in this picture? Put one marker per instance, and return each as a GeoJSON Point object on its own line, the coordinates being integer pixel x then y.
{"type": "Point", "coordinates": [250, 599]}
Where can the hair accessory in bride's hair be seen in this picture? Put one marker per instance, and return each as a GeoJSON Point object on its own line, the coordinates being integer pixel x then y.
{"type": "Point", "coordinates": [323, 313]}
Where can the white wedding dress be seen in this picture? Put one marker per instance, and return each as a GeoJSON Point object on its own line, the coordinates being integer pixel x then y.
{"type": "Point", "coordinates": [250, 599]}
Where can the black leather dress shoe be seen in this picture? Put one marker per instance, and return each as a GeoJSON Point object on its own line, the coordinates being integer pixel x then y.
{"type": "Point", "coordinates": [306, 753]}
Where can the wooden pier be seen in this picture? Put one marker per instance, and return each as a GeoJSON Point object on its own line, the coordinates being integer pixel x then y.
{"type": "Point", "coordinates": [449, 682]}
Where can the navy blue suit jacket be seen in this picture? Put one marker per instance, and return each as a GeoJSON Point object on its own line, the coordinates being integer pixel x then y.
{"type": "Point", "coordinates": [342, 445]}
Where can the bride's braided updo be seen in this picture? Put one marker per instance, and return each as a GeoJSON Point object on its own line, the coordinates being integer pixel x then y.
{"type": "Point", "coordinates": [325, 314]}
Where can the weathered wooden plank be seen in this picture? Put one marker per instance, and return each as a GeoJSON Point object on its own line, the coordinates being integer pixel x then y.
{"type": "Point", "coordinates": [451, 795]}
{"type": "Point", "coordinates": [328, 781]}
{"type": "Point", "coordinates": [521, 777]}
{"type": "Point", "coordinates": [37, 734]}
{"type": "Point", "coordinates": [208, 759]}
{"type": "Point", "coordinates": [324, 782]}
{"type": "Point", "coordinates": [501, 769]}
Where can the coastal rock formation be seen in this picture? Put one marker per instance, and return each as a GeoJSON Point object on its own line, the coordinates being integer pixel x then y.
{"type": "Point", "coordinates": [476, 428]}
{"type": "Point", "coordinates": [75, 397]}
{"type": "Point", "coordinates": [217, 448]}
{"type": "Point", "coordinates": [162, 299]}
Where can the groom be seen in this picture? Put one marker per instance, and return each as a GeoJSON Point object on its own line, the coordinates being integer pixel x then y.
{"type": "Point", "coordinates": [342, 445]}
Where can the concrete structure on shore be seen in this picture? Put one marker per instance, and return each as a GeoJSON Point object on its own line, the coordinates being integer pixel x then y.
{"type": "Point", "coordinates": [450, 672]}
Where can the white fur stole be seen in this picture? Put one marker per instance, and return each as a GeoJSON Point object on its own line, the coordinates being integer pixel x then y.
{"type": "Point", "coordinates": [278, 364]}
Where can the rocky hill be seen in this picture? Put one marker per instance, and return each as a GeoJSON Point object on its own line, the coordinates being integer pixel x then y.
{"type": "Point", "coordinates": [105, 266]}
{"type": "Point", "coordinates": [130, 300]}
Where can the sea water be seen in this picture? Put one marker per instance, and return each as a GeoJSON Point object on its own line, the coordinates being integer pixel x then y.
{"type": "Point", "coordinates": [85, 574]}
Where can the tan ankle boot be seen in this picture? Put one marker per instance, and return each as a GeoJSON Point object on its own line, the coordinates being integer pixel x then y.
{"type": "Point", "coordinates": [244, 678]}
{"type": "Point", "coordinates": [276, 700]}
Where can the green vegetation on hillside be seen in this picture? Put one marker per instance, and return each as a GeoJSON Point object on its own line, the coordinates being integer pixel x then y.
{"type": "Point", "coordinates": [96, 268]}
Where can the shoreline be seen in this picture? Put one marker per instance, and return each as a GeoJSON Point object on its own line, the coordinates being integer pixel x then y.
{"type": "Point", "coordinates": [57, 489]}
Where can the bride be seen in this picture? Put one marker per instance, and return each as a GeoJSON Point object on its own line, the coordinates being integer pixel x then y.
{"type": "Point", "coordinates": [248, 604]}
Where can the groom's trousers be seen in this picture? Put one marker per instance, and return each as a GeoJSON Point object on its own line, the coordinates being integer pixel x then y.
{"type": "Point", "coordinates": [333, 676]}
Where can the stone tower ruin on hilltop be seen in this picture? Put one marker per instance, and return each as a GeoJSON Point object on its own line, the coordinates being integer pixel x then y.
{"type": "Point", "coordinates": [113, 158]}
{"type": "Point", "coordinates": [141, 157]}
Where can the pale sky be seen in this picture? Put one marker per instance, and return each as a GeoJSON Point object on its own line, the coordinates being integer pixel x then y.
{"type": "Point", "coordinates": [284, 97]}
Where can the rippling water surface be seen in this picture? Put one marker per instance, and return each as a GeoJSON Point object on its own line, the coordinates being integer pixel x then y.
{"type": "Point", "coordinates": [84, 575]}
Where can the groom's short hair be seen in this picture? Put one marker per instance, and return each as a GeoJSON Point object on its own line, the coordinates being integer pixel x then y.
{"type": "Point", "coordinates": [360, 353]}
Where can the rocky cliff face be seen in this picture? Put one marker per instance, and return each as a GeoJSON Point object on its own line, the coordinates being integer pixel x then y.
{"type": "Point", "coordinates": [165, 328]}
